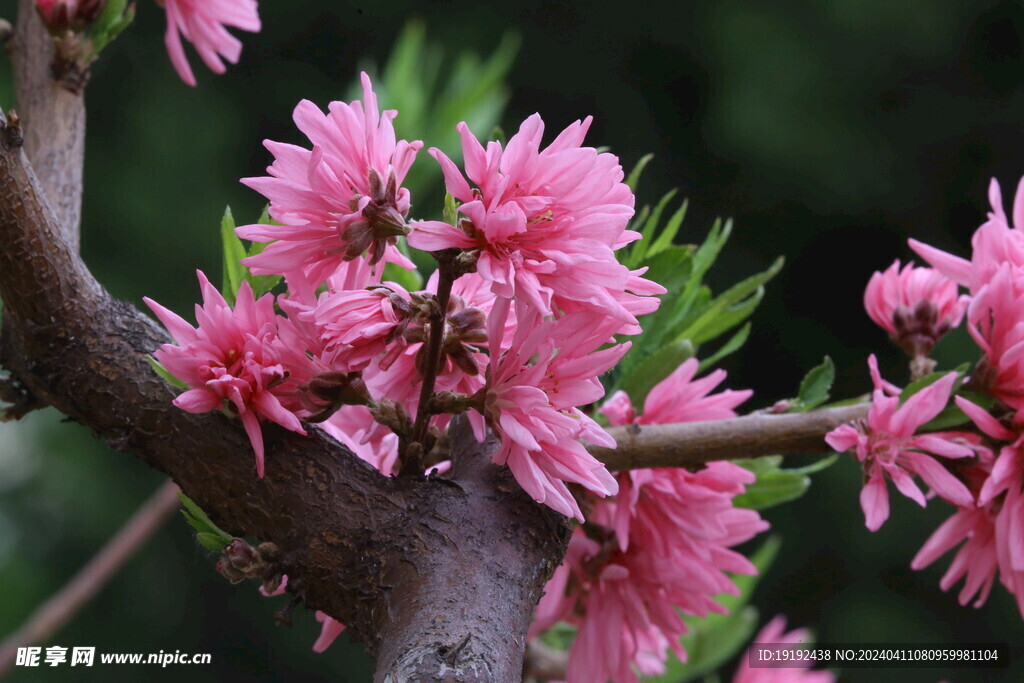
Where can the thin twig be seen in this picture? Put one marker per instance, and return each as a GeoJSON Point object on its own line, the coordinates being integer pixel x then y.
{"type": "Point", "coordinates": [751, 436]}
{"type": "Point", "coordinates": [431, 367]}
{"type": "Point", "coordinates": [60, 608]}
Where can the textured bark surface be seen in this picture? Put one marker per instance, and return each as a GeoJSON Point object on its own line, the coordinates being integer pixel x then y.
{"type": "Point", "coordinates": [750, 436]}
{"type": "Point", "coordinates": [54, 119]}
{"type": "Point", "coordinates": [360, 546]}
{"type": "Point", "coordinates": [437, 577]}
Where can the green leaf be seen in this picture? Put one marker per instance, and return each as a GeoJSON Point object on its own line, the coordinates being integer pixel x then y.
{"type": "Point", "coordinates": [731, 307]}
{"type": "Point", "coordinates": [654, 368]}
{"type": "Point", "coordinates": [773, 488]}
{"type": "Point", "coordinates": [211, 542]}
{"type": "Point", "coordinates": [208, 534]}
{"type": "Point", "coordinates": [234, 252]}
{"type": "Point", "coordinates": [451, 208]}
{"type": "Point", "coordinates": [928, 380]}
{"type": "Point", "coordinates": [410, 280]}
{"type": "Point", "coordinates": [634, 176]}
{"type": "Point", "coordinates": [115, 18]}
{"type": "Point", "coordinates": [815, 467]}
{"type": "Point", "coordinates": [671, 229]}
{"type": "Point", "coordinates": [774, 485]}
{"type": "Point", "coordinates": [815, 387]}
{"type": "Point", "coordinates": [165, 375]}
{"type": "Point", "coordinates": [734, 344]}
{"type": "Point", "coordinates": [767, 463]}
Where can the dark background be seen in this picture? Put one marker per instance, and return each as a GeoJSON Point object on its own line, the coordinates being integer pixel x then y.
{"type": "Point", "coordinates": [830, 130]}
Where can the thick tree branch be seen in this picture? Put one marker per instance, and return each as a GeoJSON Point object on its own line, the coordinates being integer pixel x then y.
{"type": "Point", "coordinates": [751, 436]}
{"type": "Point", "coordinates": [54, 120]}
{"type": "Point", "coordinates": [355, 544]}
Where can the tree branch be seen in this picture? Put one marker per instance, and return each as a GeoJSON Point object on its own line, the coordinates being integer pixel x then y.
{"type": "Point", "coordinates": [54, 118]}
{"type": "Point", "coordinates": [364, 548]}
{"type": "Point", "coordinates": [56, 611]}
{"type": "Point", "coordinates": [751, 436]}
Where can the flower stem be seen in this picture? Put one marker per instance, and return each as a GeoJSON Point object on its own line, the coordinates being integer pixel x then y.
{"type": "Point", "coordinates": [413, 456]}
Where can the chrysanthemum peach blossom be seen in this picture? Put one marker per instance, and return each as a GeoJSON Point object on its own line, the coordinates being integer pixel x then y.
{"type": "Point", "coordinates": [993, 527]}
{"type": "Point", "coordinates": [995, 243]}
{"type": "Point", "coordinates": [886, 445]}
{"type": "Point", "coordinates": [202, 23]}
{"type": "Point", "coordinates": [534, 389]}
{"type": "Point", "coordinates": [656, 550]}
{"type": "Point", "coordinates": [996, 322]}
{"type": "Point", "coordinates": [796, 671]}
{"type": "Point", "coordinates": [338, 201]}
{"type": "Point", "coordinates": [678, 398]}
{"type": "Point", "coordinates": [916, 306]}
{"type": "Point", "coordinates": [229, 359]}
{"type": "Point", "coordinates": [546, 222]}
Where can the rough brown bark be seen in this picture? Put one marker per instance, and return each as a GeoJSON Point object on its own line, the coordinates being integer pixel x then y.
{"type": "Point", "coordinates": [437, 577]}
{"type": "Point", "coordinates": [355, 544]}
{"type": "Point", "coordinates": [54, 119]}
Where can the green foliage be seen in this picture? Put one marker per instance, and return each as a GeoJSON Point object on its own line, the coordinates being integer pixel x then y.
{"type": "Point", "coordinates": [116, 16]}
{"type": "Point", "coordinates": [233, 253]}
{"type": "Point", "coordinates": [165, 373]}
{"type": "Point", "coordinates": [208, 534]}
{"type": "Point", "coordinates": [690, 315]}
{"type": "Point", "coordinates": [815, 387]}
{"type": "Point", "coordinates": [633, 179]}
{"type": "Point", "coordinates": [775, 485]}
{"type": "Point", "coordinates": [715, 639]}
{"type": "Point", "coordinates": [434, 90]}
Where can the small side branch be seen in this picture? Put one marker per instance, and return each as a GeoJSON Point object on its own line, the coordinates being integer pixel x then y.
{"type": "Point", "coordinates": [60, 608]}
{"type": "Point", "coordinates": [751, 436]}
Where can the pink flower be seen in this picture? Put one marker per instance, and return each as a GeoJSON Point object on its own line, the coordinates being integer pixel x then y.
{"type": "Point", "coordinates": [329, 631]}
{"type": "Point", "coordinates": [916, 306]}
{"type": "Point", "coordinates": [546, 222]}
{"type": "Point", "coordinates": [993, 244]}
{"type": "Point", "coordinates": [993, 527]}
{"type": "Point", "coordinates": [995, 319]}
{"type": "Point", "coordinates": [886, 445]}
{"type": "Point", "coordinates": [678, 398]}
{"type": "Point", "coordinates": [658, 549]}
{"type": "Point", "coordinates": [202, 23]}
{"type": "Point", "coordinates": [796, 671]}
{"type": "Point", "coordinates": [534, 389]}
{"type": "Point", "coordinates": [666, 547]}
{"type": "Point", "coordinates": [339, 200]}
{"type": "Point", "coordinates": [355, 427]}
{"type": "Point", "coordinates": [230, 359]}
{"type": "Point", "coordinates": [64, 15]}
{"type": "Point", "coordinates": [361, 323]}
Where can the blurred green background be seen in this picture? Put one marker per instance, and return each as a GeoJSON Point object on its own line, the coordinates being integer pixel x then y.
{"type": "Point", "coordinates": [831, 130]}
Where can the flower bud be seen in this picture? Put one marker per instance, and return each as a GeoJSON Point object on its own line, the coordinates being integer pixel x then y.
{"type": "Point", "coordinates": [916, 306]}
{"type": "Point", "coordinates": [61, 16]}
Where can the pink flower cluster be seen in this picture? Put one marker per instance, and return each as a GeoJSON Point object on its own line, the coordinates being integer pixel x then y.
{"type": "Point", "coordinates": [980, 472]}
{"type": "Point", "coordinates": [514, 330]}
{"type": "Point", "coordinates": [533, 301]}
{"type": "Point", "coordinates": [656, 551]}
